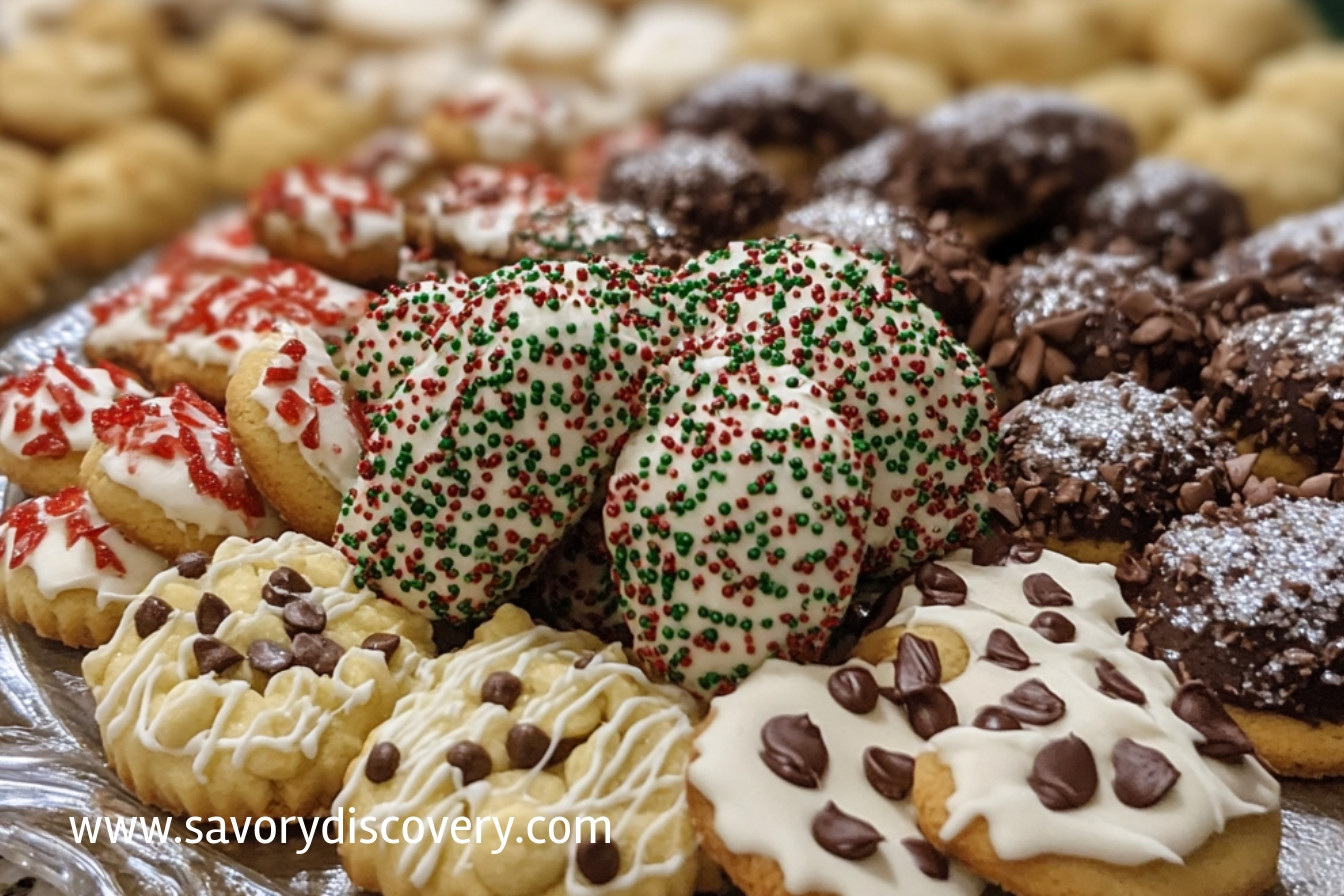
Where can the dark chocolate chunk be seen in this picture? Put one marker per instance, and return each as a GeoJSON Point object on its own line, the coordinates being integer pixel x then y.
{"type": "Point", "coordinates": [930, 710]}
{"type": "Point", "coordinates": [890, 773]}
{"type": "Point", "coordinates": [283, 586]}
{"type": "Point", "coordinates": [213, 655]}
{"type": "Point", "coordinates": [917, 664]}
{"type": "Point", "coordinates": [1200, 708]}
{"type": "Point", "coordinates": [192, 565]}
{"type": "Point", "coordinates": [1132, 572]}
{"type": "Point", "coordinates": [527, 745]}
{"type": "Point", "coordinates": [1114, 683]}
{"type": "Point", "coordinates": [794, 750]}
{"type": "Point", "coordinates": [1042, 590]}
{"type": "Point", "coordinates": [1064, 775]}
{"type": "Point", "coordinates": [382, 762]}
{"type": "Point", "coordinates": [471, 759]}
{"type": "Point", "coordinates": [383, 642]}
{"type": "Point", "coordinates": [150, 616]}
{"type": "Point", "coordinates": [268, 657]}
{"type": "Point", "coordinates": [502, 688]}
{"type": "Point", "coordinates": [855, 689]}
{"type": "Point", "coordinates": [303, 616]}
{"type": "Point", "coordinates": [598, 861]}
{"type": "Point", "coordinates": [844, 835]}
{"type": "Point", "coordinates": [563, 748]}
{"type": "Point", "coordinates": [1054, 627]}
{"type": "Point", "coordinates": [1142, 775]}
{"type": "Point", "coordinates": [317, 652]}
{"type": "Point", "coordinates": [992, 549]}
{"type": "Point", "coordinates": [211, 611]}
{"type": "Point", "coordinates": [1003, 650]}
{"type": "Point", "coordinates": [996, 718]}
{"type": "Point", "coordinates": [1033, 703]}
{"type": "Point", "coordinates": [927, 859]}
{"type": "Point", "coordinates": [940, 586]}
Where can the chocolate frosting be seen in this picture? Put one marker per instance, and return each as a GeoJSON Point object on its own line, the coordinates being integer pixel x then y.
{"type": "Point", "coordinates": [574, 229]}
{"type": "Point", "coordinates": [794, 750]}
{"type": "Point", "coordinates": [1250, 600]}
{"type": "Point", "coordinates": [870, 167]}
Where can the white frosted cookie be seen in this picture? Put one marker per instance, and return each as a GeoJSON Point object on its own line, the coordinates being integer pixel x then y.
{"type": "Point", "coordinates": [500, 118]}
{"type": "Point", "coordinates": [527, 722]}
{"type": "Point", "coordinates": [130, 323]}
{"type": "Point", "coordinates": [554, 37]}
{"type": "Point", "coordinates": [406, 21]}
{"type": "Point", "coordinates": [46, 420]}
{"type": "Point", "coordinates": [66, 572]}
{"type": "Point", "coordinates": [221, 244]}
{"type": "Point", "coordinates": [661, 50]}
{"type": "Point", "coordinates": [244, 684]}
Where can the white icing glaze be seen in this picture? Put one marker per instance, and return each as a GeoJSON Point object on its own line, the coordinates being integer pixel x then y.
{"type": "Point", "coordinates": [511, 118]}
{"type": "Point", "coordinates": [347, 211]}
{"type": "Point", "coordinates": [392, 158]}
{"type": "Point", "coordinates": [47, 412]}
{"type": "Point", "coordinates": [224, 242]}
{"type": "Point", "coordinates": [477, 209]}
{"type": "Point", "coordinates": [142, 311]}
{"type": "Point", "coordinates": [758, 813]}
{"type": "Point", "coordinates": [305, 405]}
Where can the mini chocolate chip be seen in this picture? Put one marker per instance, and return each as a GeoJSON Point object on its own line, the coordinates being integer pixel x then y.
{"type": "Point", "coordinates": [563, 748]}
{"type": "Point", "coordinates": [303, 616]}
{"type": "Point", "coordinates": [1032, 703]}
{"type": "Point", "coordinates": [1199, 707]}
{"type": "Point", "coordinates": [211, 611]}
{"type": "Point", "coordinates": [889, 773]}
{"type": "Point", "coordinates": [382, 762]}
{"type": "Point", "coordinates": [526, 745]}
{"type": "Point", "coordinates": [503, 688]}
{"type": "Point", "coordinates": [1003, 650]}
{"type": "Point", "coordinates": [599, 861]}
{"type": "Point", "coordinates": [1026, 552]}
{"type": "Point", "coordinates": [283, 586]}
{"type": "Point", "coordinates": [794, 750]}
{"type": "Point", "coordinates": [193, 564]}
{"type": "Point", "coordinates": [471, 759]}
{"type": "Point", "coordinates": [1064, 775]}
{"type": "Point", "coordinates": [917, 664]}
{"type": "Point", "coordinates": [583, 661]}
{"type": "Point", "coordinates": [927, 859]}
{"type": "Point", "coordinates": [1115, 684]}
{"type": "Point", "coordinates": [991, 550]}
{"type": "Point", "coordinates": [940, 586]}
{"type": "Point", "coordinates": [1054, 627]}
{"type": "Point", "coordinates": [268, 657]}
{"type": "Point", "coordinates": [383, 642]}
{"type": "Point", "coordinates": [844, 835]}
{"type": "Point", "coordinates": [1142, 775]}
{"type": "Point", "coordinates": [996, 718]}
{"type": "Point", "coordinates": [150, 616]}
{"type": "Point", "coordinates": [317, 652]}
{"type": "Point", "coordinates": [1043, 591]}
{"type": "Point", "coordinates": [855, 689]}
{"type": "Point", "coordinates": [213, 655]}
{"type": "Point", "coordinates": [930, 710]}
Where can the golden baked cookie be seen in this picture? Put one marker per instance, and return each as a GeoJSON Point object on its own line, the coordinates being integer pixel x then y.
{"type": "Point", "coordinates": [243, 684]}
{"type": "Point", "coordinates": [294, 431]}
{"type": "Point", "coordinates": [253, 49]}
{"type": "Point", "coordinates": [1310, 78]}
{"type": "Point", "coordinates": [59, 89]}
{"type": "Point", "coordinates": [550, 37]}
{"type": "Point", "coordinates": [26, 261]}
{"type": "Point", "coordinates": [1152, 99]}
{"type": "Point", "coordinates": [406, 22]}
{"type": "Point", "coordinates": [140, 27]}
{"type": "Point", "coordinates": [191, 87]}
{"type": "Point", "coordinates": [1292, 747]}
{"type": "Point", "coordinates": [1035, 42]}
{"type": "Point", "coordinates": [907, 87]}
{"type": "Point", "coordinates": [66, 572]}
{"type": "Point", "coordinates": [23, 179]}
{"type": "Point", "coordinates": [283, 124]}
{"type": "Point", "coordinates": [813, 35]}
{"type": "Point", "coordinates": [1273, 462]}
{"type": "Point", "coordinates": [1220, 41]}
{"type": "Point", "coordinates": [120, 194]}
{"type": "Point", "coordinates": [927, 31]}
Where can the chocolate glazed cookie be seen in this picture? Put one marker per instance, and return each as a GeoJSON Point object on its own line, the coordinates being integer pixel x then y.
{"type": "Point", "coordinates": [1250, 600]}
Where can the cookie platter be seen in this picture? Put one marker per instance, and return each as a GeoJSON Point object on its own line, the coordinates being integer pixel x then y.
{"type": "Point", "coordinates": [52, 769]}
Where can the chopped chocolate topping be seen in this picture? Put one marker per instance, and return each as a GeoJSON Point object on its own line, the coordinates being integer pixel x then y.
{"type": "Point", "coordinates": [930, 710]}
{"type": "Point", "coordinates": [1132, 572]}
{"type": "Point", "coordinates": [1043, 591]}
{"type": "Point", "coordinates": [928, 860]}
{"type": "Point", "coordinates": [1113, 683]}
{"type": "Point", "coordinates": [268, 657]}
{"type": "Point", "coordinates": [1142, 775]}
{"type": "Point", "coordinates": [917, 664]}
{"type": "Point", "coordinates": [1054, 627]}
{"type": "Point", "coordinates": [527, 745]}
{"type": "Point", "coordinates": [472, 760]}
{"type": "Point", "coordinates": [385, 643]}
{"type": "Point", "coordinates": [211, 611]}
{"type": "Point", "coordinates": [503, 688]}
{"type": "Point", "coordinates": [382, 763]}
{"type": "Point", "coordinates": [1033, 703]}
{"type": "Point", "coordinates": [869, 167]}
{"type": "Point", "coordinates": [283, 586]}
{"type": "Point", "coordinates": [794, 750]}
{"type": "Point", "coordinates": [890, 774]}
{"type": "Point", "coordinates": [1003, 650]}
{"type": "Point", "coordinates": [855, 689]}
{"type": "Point", "coordinates": [996, 718]}
{"type": "Point", "coordinates": [1199, 707]}
{"type": "Point", "coordinates": [598, 861]}
{"type": "Point", "coordinates": [213, 655]}
{"type": "Point", "coordinates": [1064, 775]}
{"type": "Point", "coordinates": [193, 565]}
{"type": "Point", "coordinates": [303, 616]}
{"type": "Point", "coordinates": [940, 586]}
{"type": "Point", "coordinates": [992, 549]}
{"type": "Point", "coordinates": [151, 615]}
{"type": "Point", "coordinates": [844, 835]}
{"type": "Point", "coordinates": [317, 652]}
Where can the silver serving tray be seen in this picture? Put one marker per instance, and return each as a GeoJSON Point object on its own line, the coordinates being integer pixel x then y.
{"type": "Point", "coordinates": [52, 769]}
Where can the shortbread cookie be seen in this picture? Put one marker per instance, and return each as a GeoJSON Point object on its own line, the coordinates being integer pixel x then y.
{"type": "Point", "coordinates": [165, 472]}
{"type": "Point", "coordinates": [1039, 42]}
{"type": "Point", "coordinates": [66, 572]}
{"type": "Point", "coordinates": [23, 179]}
{"type": "Point", "coordinates": [1222, 40]}
{"type": "Point", "coordinates": [1304, 78]}
{"type": "Point", "coordinates": [46, 420]}
{"type": "Point", "coordinates": [190, 87]}
{"type": "Point", "coordinates": [1152, 99]}
{"type": "Point", "coordinates": [254, 49]}
{"type": "Point", "coordinates": [26, 261]}
{"type": "Point", "coordinates": [410, 22]}
{"type": "Point", "coordinates": [1251, 601]}
{"type": "Point", "coordinates": [906, 88]}
{"type": "Point", "coordinates": [869, 167]}
{"type": "Point", "coordinates": [295, 434]}
{"type": "Point", "coordinates": [550, 37]}
{"type": "Point", "coordinates": [244, 684]}
{"type": "Point", "coordinates": [342, 224]}
{"type": "Point", "coordinates": [532, 723]}
{"type": "Point", "coordinates": [661, 50]}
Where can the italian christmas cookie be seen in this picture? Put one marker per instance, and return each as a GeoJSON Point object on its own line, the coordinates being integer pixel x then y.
{"type": "Point", "coordinates": [165, 471]}
{"type": "Point", "coordinates": [526, 722]}
{"type": "Point", "coordinates": [296, 435]}
{"type": "Point", "coordinates": [497, 118]}
{"type": "Point", "coordinates": [918, 399]}
{"type": "Point", "coordinates": [46, 420]}
{"type": "Point", "coordinates": [737, 522]}
{"type": "Point", "coordinates": [66, 572]}
{"type": "Point", "coordinates": [339, 222]}
{"type": "Point", "coordinates": [492, 446]}
{"type": "Point", "coordinates": [130, 322]}
{"type": "Point", "coordinates": [1250, 600]}
{"type": "Point", "coordinates": [244, 684]}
